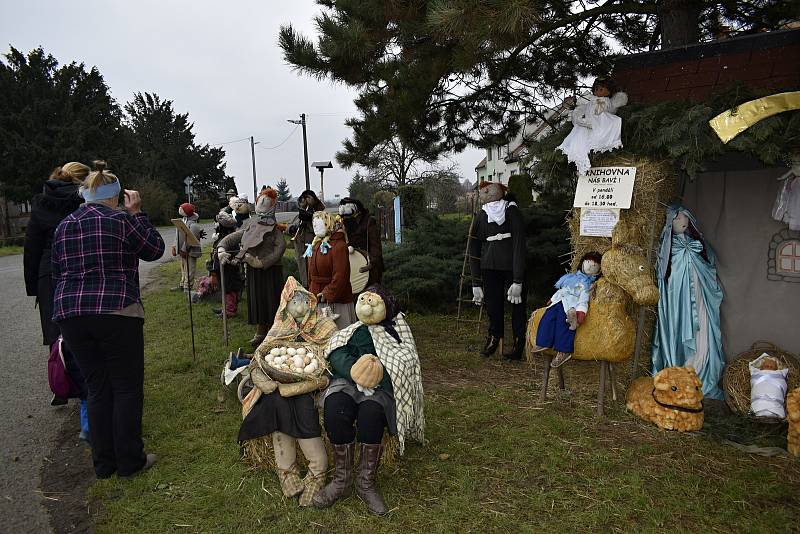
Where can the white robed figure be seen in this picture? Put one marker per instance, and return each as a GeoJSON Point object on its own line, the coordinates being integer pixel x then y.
{"type": "Point", "coordinates": [688, 325]}
{"type": "Point", "coordinates": [596, 127]}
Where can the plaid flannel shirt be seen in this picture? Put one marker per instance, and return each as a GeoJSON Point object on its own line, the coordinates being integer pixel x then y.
{"type": "Point", "coordinates": [95, 254]}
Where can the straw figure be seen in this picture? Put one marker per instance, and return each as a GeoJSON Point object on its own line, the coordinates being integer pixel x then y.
{"type": "Point", "coordinates": [608, 332]}
{"type": "Point", "coordinates": [793, 414]}
{"type": "Point", "coordinates": [672, 399]}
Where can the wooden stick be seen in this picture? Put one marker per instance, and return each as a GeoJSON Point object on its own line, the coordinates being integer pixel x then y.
{"type": "Point", "coordinates": [613, 382]}
{"type": "Point", "coordinates": [601, 394]}
{"type": "Point", "coordinates": [546, 377]}
{"type": "Point", "coordinates": [561, 383]}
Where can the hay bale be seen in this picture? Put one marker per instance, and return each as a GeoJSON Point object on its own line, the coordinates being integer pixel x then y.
{"type": "Point", "coordinates": [793, 413]}
{"type": "Point", "coordinates": [653, 189]}
{"type": "Point", "coordinates": [736, 377]}
{"type": "Point", "coordinates": [259, 454]}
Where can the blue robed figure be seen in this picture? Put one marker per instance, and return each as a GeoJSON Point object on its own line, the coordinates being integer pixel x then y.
{"type": "Point", "coordinates": [688, 325]}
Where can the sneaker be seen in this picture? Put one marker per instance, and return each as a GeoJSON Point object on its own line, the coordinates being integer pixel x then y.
{"type": "Point", "coordinates": [58, 401]}
{"type": "Point", "coordinates": [560, 359]}
{"type": "Point", "coordinates": [85, 437]}
{"type": "Point", "coordinates": [148, 463]}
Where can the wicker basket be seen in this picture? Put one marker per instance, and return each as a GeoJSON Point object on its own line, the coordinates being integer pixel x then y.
{"type": "Point", "coordinates": [288, 377]}
{"type": "Point", "coordinates": [736, 378]}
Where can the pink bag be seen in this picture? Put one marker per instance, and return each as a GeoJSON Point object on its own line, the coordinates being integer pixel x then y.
{"type": "Point", "coordinates": [60, 383]}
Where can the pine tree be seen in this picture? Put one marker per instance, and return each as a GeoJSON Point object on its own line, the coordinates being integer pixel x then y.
{"type": "Point", "coordinates": [442, 74]}
{"type": "Point", "coordinates": [282, 189]}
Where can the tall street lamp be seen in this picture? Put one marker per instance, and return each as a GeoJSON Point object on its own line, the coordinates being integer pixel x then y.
{"type": "Point", "coordinates": [321, 166]}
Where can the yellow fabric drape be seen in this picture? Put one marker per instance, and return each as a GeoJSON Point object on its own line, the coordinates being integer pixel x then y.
{"type": "Point", "coordinates": [734, 121]}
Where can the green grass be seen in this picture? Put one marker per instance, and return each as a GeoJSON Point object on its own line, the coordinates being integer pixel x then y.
{"type": "Point", "coordinates": [496, 459]}
{"type": "Point", "coordinates": [10, 250]}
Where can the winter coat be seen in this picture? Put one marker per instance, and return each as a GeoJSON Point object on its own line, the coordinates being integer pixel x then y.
{"type": "Point", "coordinates": [329, 273]}
{"type": "Point", "coordinates": [269, 252]}
{"type": "Point", "coordinates": [501, 255]}
{"type": "Point", "coordinates": [57, 200]}
{"type": "Point", "coordinates": [363, 234]}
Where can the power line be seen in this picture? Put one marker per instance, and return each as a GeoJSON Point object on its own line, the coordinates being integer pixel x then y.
{"type": "Point", "coordinates": [229, 142]}
{"type": "Point", "coordinates": [282, 142]}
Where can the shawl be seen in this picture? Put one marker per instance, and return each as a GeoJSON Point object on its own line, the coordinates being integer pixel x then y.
{"type": "Point", "coordinates": [401, 361]}
{"type": "Point", "coordinates": [665, 246]}
{"type": "Point", "coordinates": [313, 328]}
{"type": "Point", "coordinates": [333, 224]}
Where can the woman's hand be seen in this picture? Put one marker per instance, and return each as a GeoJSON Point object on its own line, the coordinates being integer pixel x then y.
{"type": "Point", "coordinates": [133, 202]}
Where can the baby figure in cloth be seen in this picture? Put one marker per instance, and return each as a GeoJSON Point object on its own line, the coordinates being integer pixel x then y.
{"type": "Point", "coordinates": [567, 309]}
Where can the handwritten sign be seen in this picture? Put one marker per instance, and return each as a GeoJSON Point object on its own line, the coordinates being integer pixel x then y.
{"type": "Point", "coordinates": [605, 187]}
{"type": "Point", "coordinates": [598, 222]}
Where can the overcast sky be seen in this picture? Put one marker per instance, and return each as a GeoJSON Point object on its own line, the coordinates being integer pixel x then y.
{"type": "Point", "coordinates": [218, 61]}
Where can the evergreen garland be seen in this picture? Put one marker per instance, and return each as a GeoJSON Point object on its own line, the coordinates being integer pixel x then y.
{"type": "Point", "coordinates": [678, 132]}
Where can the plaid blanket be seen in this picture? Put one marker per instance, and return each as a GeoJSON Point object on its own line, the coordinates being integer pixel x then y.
{"type": "Point", "coordinates": [401, 361]}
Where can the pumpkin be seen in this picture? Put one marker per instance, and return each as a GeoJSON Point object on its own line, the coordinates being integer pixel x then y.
{"type": "Point", "coordinates": [367, 372]}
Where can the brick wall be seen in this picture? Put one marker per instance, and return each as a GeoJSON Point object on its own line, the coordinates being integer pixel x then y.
{"type": "Point", "coordinates": [764, 61]}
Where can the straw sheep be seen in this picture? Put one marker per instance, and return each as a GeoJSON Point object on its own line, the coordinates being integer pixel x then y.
{"type": "Point", "coordinates": [672, 399]}
{"type": "Point", "coordinates": [793, 414]}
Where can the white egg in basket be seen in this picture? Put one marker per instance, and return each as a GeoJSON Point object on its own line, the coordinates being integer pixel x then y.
{"type": "Point", "coordinates": [301, 351]}
{"type": "Point", "coordinates": [291, 351]}
{"type": "Point", "coordinates": [275, 351]}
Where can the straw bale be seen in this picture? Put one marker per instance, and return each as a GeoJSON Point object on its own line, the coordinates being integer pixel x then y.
{"type": "Point", "coordinates": [793, 414]}
{"type": "Point", "coordinates": [259, 454]}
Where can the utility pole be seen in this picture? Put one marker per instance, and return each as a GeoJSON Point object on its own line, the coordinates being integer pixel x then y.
{"type": "Point", "coordinates": [253, 154]}
{"type": "Point", "coordinates": [302, 122]}
{"type": "Point", "coordinates": [305, 148]}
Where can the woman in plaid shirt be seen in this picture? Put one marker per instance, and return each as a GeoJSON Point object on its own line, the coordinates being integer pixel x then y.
{"type": "Point", "coordinates": [96, 253]}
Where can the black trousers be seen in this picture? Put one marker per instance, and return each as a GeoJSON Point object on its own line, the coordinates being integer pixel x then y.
{"type": "Point", "coordinates": [110, 352]}
{"type": "Point", "coordinates": [342, 412]}
{"type": "Point", "coordinates": [495, 287]}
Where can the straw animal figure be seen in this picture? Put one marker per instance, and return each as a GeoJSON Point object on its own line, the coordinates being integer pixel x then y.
{"type": "Point", "coordinates": [672, 399]}
{"type": "Point", "coordinates": [793, 414]}
{"type": "Point", "coordinates": [608, 332]}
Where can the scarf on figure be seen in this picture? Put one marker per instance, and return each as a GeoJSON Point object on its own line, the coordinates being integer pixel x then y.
{"type": "Point", "coordinates": [401, 361]}
{"type": "Point", "coordinates": [333, 224]}
{"type": "Point", "coordinates": [665, 245]}
{"type": "Point", "coordinates": [392, 310]}
{"type": "Point", "coordinates": [313, 328]}
{"type": "Point", "coordinates": [496, 210]}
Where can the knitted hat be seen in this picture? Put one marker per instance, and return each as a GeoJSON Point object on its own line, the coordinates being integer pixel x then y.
{"type": "Point", "coordinates": [187, 209]}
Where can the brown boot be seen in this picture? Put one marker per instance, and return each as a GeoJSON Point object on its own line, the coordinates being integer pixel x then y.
{"type": "Point", "coordinates": [365, 480]}
{"type": "Point", "coordinates": [342, 476]}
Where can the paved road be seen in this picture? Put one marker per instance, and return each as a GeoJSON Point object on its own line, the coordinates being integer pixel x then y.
{"type": "Point", "coordinates": [28, 424]}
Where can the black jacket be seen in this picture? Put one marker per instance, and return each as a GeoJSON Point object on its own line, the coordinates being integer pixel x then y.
{"type": "Point", "coordinates": [503, 255]}
{"type": "Point", "coordinates": [57, 200]}
{"type": "Point", "coordinates": [363, 233]}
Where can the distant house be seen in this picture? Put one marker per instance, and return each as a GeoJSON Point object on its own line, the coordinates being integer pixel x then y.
{"type": "Point", "coordinates": [504, 161]}
{"type": "Point", "coordinates": [14, 217]}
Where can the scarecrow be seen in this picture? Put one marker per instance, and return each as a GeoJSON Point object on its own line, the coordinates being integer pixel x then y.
{"type": "Point", "coordinates": [229, 219]}
{"type": "Point", "coordinates": [303, 233]}
{"type": "Point", "coordinates": [376, 383]}
{"type": "Point", "coordinates": [497, 265]}
{"type": "Point", "coordinates": [567, 309]}
{"type": "Point", "coordinates": [687, 330]}
{"type": "Point", "coordinates": [182, 249]}
{"type": "Point", "coordinates": [329, 267]}
{"type": "Point", "coordinates": [260, 246]}
{"type": "Point", "coordinates": [290, 414]}
{"type": "Point", "coordinates": [596, 126]}
{"type": "Point", "coordinates": [363, 234]}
